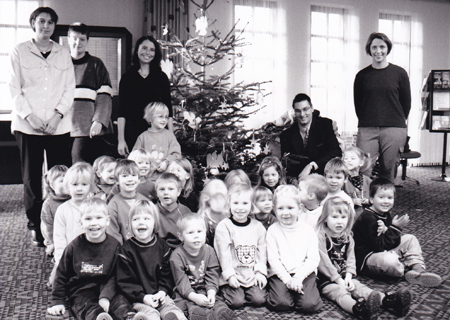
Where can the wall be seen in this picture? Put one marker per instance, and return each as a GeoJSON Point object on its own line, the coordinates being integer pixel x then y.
{"type": "Point", "coordinates": [109, 13]}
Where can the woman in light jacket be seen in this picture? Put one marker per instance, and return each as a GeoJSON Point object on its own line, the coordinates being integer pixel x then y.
{"type": "Point", "coordinates": [42, 87]}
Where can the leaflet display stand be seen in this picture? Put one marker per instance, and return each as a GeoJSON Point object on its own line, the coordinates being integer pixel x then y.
{"type": "Point", "coordinates": [436, 94]}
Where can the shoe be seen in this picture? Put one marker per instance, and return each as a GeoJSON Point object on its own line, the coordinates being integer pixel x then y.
{"type": "Point", "coordinates": [424, 279]}
{"type": "Point", "coordinates": [367, 310]}
{"type": "Point", "coordinates": [104, 316]}
{"type": "Point", "coordinates": [136, 316]}
{"type": "Point", "coordinates": [52, 317]}
{"type": "Point", "coordinates": [37, 239]}
{"type": "Point", "coordinates": [397, 302]}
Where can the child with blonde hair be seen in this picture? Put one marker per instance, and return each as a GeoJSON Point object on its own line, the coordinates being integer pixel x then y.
{"type": "Point", "coordinates": [147, 179]}
{"type": "Point", "coordinates": [143, 269]}
{"type": "Point", "coordinates": [158, 140]}
{"type": "Point", "coordinates": [196, 271]}
{"type": "Point", "coordinates": [212, 203]}
{"type": "Point", "coordinates": [182, 168]}
{"type": "Point", "coordinates": [127, 176]}
{"type": "Point", "coordinates": [357, 184]}
{"type": "Point", "coordinates": [338, 267]}
{"type": "Point", "coordinates": [79, 181]}
{"type": "Point", "coordinates": [240, 244]}
{"type": "Point", "coordinates": [263, 206]}
{"type": "Point", "coordinates": [236, 176]}
{"type": "Point", "coordinates": [271, 173]}
{"type": "Point", "coordinates": [313, 190]}
{"type": "Point", "coordinates": [105, 180]}
{"type": "Point", "coordinates": [293, 257]}
{"type": "Point", "coordinates": [55, 194]}
{"type": "Point", "coordinates": [336, 174]}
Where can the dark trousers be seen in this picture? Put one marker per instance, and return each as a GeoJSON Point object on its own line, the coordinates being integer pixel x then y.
{"type": "Point", "coordinates": [32, 148]}
{"type": "Point", "coordinates": [87, 149]}
{"type": "Point", "coordinates": [85, 306]}
{"type": "Point", "coordinates": [280, 298]}
{"type": "Point", "coordinates": [236, 298]}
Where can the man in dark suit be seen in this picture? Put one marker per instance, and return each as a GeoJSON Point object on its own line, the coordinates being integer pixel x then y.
{"type": "Point", "coordinates": [310, 142]}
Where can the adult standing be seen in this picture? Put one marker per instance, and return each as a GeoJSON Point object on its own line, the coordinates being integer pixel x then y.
{"type": "Point", "coordinates": [93, 98]}
{"type": "Point", "coordinates": [382, 97]}
{"type": "Point", "coordinates": [145, 82]}
{"type": "Point", "coordinates": [42, 87]}
{"type": "Point", "coordinates": [310, 141]}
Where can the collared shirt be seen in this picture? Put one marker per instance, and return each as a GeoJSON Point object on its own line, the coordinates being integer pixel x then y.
{"type": "Point", "coordinates": [41, 86]}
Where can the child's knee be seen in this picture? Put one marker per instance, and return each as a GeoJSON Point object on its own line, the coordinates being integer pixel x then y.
{"type": "Point", "coordinates": [311, 306]}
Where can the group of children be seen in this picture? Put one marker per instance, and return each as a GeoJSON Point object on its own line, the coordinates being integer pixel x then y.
{"type": "Point", "coordinates": [132, 240]}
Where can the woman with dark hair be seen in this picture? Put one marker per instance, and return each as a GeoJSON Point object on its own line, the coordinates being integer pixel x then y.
{"type": "Point", "coordinates": [382, 97]}
{"type": "Point", "coordinates": [143, 83]}
{"type": "Point", "coordinates": [42, 86]}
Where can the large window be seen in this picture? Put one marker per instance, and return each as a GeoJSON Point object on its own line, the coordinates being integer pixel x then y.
{"type": "Point", "coordinates": [331, 74]}
{"type": "Point", "coordinates": [256, 61]}
{"type": "Point", "coordinates": [398, 29]}
{"type": "Point", "coordinates": [14, 28]}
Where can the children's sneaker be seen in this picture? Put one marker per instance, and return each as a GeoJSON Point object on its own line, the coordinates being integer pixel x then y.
{"type": "Point", "coordinates": [397, 302]}
{"type": "Point", "coordinates": [136, 316]}
{"type": "Point", "coordinates": [368, 310]}
{"type": "Point", "coordinates": [104, 316]}
{"type": "Point", "coordinates": [424, 279]}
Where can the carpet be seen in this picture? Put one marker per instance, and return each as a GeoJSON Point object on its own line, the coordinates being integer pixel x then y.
{"type": "Point", "coordinates": [24, 269]}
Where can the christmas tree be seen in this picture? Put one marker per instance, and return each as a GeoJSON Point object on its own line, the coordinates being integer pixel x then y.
{"type": "Point", "coordinates": [211, 112]}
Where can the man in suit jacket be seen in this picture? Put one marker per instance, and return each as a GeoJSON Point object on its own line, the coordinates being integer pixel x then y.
{"type": "Point", "coordinates": [310, 142]}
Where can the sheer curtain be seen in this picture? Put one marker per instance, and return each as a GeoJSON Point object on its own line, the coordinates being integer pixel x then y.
{"type": "Point", "coordinates": [260, 60]}
{"type": "Point", "coordinates": [333, 66]}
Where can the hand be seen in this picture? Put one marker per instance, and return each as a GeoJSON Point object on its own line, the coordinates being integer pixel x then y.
{"type": "Point", "coordinates": [122, 148]}
{"type": "Point", "coordinates": [56, 310]}
{"type": "Point", "coordinates": [400, 222]}
{"type": "Point", "coordinates": [349, 284]}
{"type": "Point", "coordinates": [96, 129]}
{"type": "Point", "coordinates": [341, 283]}
{"type": "Point", "coordinates": [160, 296]}
{"type": "Point", "coordinates": [211, 298]}
{"type": "Point", "coordinates": [357, 201]}
{"type": "Point", "coordinates": [36, 123]}
{"type": "Point", "coordinates": [199, 299]}
{"type": "Point", "coordinates": [381, 228]}
{"type": "Point", "coordinates": [308, 169]}
{"type": "Point", "coordinates": [52, 124]}
{"type": "Point", "coordinates": [295, 285]}
{"type": "Point", "coordinates": [104, 303]}
{"type": "Point", "coordinates": [261, 280]}
{"type": "Point", "coordinates": [151, 300]}
{"type": "Point", "coordinates": [233, 282]}
{"type": "Point", "coordinates": [162, 166]}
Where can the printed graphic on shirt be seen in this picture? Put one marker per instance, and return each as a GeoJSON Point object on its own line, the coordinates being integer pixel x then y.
{"type": "Point", "coordinates": [91, 268]}
{"type": "Point", "coordinates": [196, 276]}
{"type": "Point", "coordinates": [338, 255]}
{"type": "Point", "coordinates": [246, 254]}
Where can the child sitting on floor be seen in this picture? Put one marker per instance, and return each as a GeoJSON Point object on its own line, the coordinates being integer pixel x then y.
{"type": "Point", "coordinates": [212, 203]}
{"type": "Point", "coordinates": [79, 181]}
{"type": "Point", "coordinates": [143, 269]}
{"type": "Point", "coordinates": [195, 269]}
{"type": "Point", "coordinates": [55, 194]}
{"type": "Point", "coordinates": [271, 173]}
{"type": "Point", "coordinates": [168, 189]}
{"type": "Point", "coordinates": [127, 176]}
{"type": "Point", "coordinates": [313, 189]}
{"type": "Point", "coordinates": [263, 204]}
{"type": "Point", "coordinates": [380, 247]}
{"type": "Point", "coordinates": [105, 179]}
{"type": "Point", "coordinates": [338, 267]}
{"type": "Point", "coordinates": [240, 244]}
{"type": "Point", "coordinates": [86, 272]}
{"type": "Point", "coordinates": [293, 257]}
{"type": "Point", "coordinates": [182, 168]}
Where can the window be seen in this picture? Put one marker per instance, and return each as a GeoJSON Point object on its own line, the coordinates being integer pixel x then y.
{"type": "Point", "coordinates": [331, 74]}
{"type": "Point", "coordinates": [398, 29]}
{"type": "Point", "coordinates": [256, 60]}
{"type": "Point", "coordinates": [14, 28]}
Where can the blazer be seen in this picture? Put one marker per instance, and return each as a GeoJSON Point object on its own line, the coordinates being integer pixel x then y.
{"type": "Point", "coordinates": [322, 145]}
